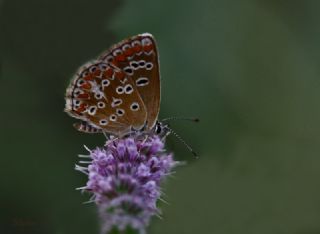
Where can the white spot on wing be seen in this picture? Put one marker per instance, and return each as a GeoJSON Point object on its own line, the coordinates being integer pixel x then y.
{"type": "Point", "coordinates": [117, 52]}
{"type": "Point", "coordinates": [103, 122]}
{"type": "Point", "coordinates": [116, 102]}
{"type": "Point", "coordinates": [146, 41]}
{"type": "Point", "coordinates": [128, 70]}
{"type": "Point", "coordinates": [105, 83]}
{"type": "Point", "coordinates": [134, 106]}
{"type": "Point", "coordinates": [101, 105]}
{"type": "Point", "coordinates": [92, 110]}
{"type": "Point", "coordinates": [76, 102]}
{"type": "Point", "coordinates": [113, 118]}
{"type": "Point", "coordinates": [134, 65]}
{"type": "Point", "coordinates": [120, 112]}
{"type": "Point", "coordinates": [149, 66]}
{"type": "Point", "coordinates": [125, 47]}
{"type": "Point", "coordinates": [142, 81]}
{"type": "Point", "coordinates": [92, 69]}
{"type": "Point", "coordinates": [109, 58]}
{"type": "Point", "coordinates": [98, 95]}
{"type": "Point", "coordinates": [120, 90]}
{"type": "Point", "coordinates": [128, 89]}
{"type": "Point", "coordinates": [80, 82]}
{"type": "Point", "coordinates": [103, 67]}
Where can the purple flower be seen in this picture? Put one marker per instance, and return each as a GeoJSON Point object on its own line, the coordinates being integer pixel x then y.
{"type": "Point", "coordinates": [125, 177]}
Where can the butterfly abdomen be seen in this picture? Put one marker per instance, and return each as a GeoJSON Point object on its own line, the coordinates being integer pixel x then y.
{"type": "Point", "coordinates": [85, 127]}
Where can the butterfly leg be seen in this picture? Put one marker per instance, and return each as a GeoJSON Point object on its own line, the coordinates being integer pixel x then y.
{"type": "Point", "coordinates": [106, 135]}
{"type": "Point", "coordinates": [111, 140]}
{"type": "Point", "coordinates": [144, 141]}
{"type": "Point", "coordinates": [167, 133]}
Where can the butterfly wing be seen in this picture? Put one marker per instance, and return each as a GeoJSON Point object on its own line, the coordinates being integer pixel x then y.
{"type": "Point", "coordinates": [105, 98]}
{"type": "Point", "coordinates": [138, 58]}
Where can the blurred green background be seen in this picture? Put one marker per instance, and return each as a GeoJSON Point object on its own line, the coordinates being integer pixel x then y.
{"type": "Point", "coordinates": [248, 69]}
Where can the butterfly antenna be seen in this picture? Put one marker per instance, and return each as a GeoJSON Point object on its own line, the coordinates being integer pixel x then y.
{"type": "Point", "coordinates": [182, 141]}
{"type": "Point", "coordinates": [181, 118]}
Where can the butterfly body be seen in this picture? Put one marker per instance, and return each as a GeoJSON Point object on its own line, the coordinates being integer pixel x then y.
{"type": "Point", "coordinates": [120, 91]}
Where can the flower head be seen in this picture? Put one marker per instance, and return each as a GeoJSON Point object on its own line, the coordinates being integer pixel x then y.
{"type": "Point", "coordinates": [125, 177]}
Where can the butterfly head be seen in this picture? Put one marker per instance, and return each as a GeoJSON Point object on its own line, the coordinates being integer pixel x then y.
{"type": "Point", "coordinates": [161, 129]}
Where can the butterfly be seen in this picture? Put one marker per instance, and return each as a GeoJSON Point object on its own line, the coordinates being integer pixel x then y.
{"type": "Point", "coordinates": [119, 92]}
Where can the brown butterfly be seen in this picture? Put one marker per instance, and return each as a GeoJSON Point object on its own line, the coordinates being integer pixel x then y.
{"type": "Point", "coordinates": [120, 91]}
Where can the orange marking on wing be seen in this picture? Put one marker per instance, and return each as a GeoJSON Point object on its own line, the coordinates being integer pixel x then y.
{"type": "Point", "coordinates": [82, 107]}
{"type": "Point", "coordinates": [129, 52]}
{"type": "Point", "coordinates": [78, 112]}
{"type": "Point", "coordinates": [148, 48]}
{"type": "Point", "coordinates": [109, 72]}
{"type": "Point", "coordinates": [119, 75]}
{"type": "Point", "coordinates": [86, 86]}
{"type": "Point", "coordinates": [120, 58]}
{"type": "Point", "coordinates": [89, 77]}
{"type": "Point", "coordinates": [84, 96]}
{"type": "Point", "coordinates": [97, 72]}
{"type": "Point", "coordinates": [115, 62]}
{"type": "Point", "coordinates": [137, 48]}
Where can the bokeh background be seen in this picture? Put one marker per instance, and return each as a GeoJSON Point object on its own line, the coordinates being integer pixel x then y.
{"type": "Point", "coordinates": [248, 69]}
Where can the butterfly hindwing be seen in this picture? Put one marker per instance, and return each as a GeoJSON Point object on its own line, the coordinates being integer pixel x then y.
{"type": "Point", "coordinates": [106, 98]}
{"type": "Point", "coordinates": [138, 58]}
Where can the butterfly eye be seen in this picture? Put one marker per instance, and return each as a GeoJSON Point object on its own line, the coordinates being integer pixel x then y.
{"type": "Point", "coordinates": [158, 129]}
{"type": "Point", "coordinates": [134, 106]}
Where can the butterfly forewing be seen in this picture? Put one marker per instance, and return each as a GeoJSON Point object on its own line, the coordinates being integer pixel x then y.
{"type": "Point", "coordinates": [106, 98]}
{"type": "Point", "coordinates": [138, 58]}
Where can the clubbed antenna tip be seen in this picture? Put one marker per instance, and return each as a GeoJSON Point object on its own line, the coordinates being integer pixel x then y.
{"type": "Point", "coordinates": [196, 120]}
{"type": "Point", "coordinates": [180, 118]}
